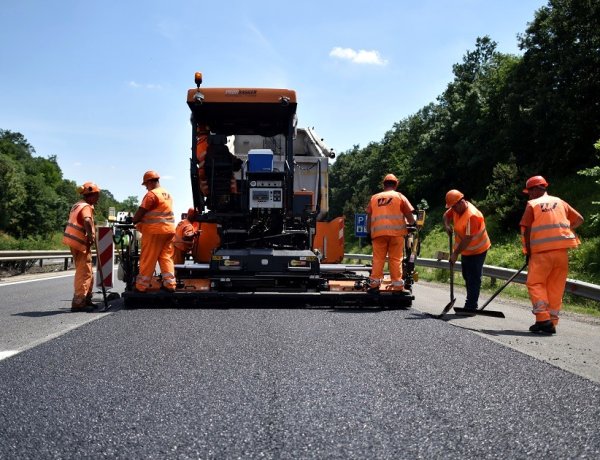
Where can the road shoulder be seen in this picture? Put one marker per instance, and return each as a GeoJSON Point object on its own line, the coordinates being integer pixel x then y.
{"type": "Point", "coordinates": [575, 347]}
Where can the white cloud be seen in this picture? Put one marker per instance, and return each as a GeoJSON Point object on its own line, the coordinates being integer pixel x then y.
{"type": "Point", "coordinates": [358, 57]}
{"type": "Point", "coordinates": [134, 84]}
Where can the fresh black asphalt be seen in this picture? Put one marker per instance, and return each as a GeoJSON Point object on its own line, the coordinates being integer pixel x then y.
{"type": "Point", "coordinates": [288, 383]}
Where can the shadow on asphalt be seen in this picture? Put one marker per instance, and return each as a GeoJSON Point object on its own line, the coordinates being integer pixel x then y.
{"type": "Point", "coordinates": [356, 310]}
{"type": "Point", "coordinates": [41, 314]}
{"type": "Point", "coordinates": [511, 333]}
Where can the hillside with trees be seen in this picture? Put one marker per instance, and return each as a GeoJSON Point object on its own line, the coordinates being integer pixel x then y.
{"type": "Point", "coordinates": [502, 119]}
{"type": "Point", "coordinates": [36, 199]}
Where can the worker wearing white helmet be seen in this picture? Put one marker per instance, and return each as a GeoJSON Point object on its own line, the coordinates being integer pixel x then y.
{"type": "Point", "coordinates": [156, 222]}
{"type": "Point", "coordinates": [79, 235]}
{"type": "Point", "coordinates": [389, 215]}
{"type": "Point", "coordinates": [547, 234]}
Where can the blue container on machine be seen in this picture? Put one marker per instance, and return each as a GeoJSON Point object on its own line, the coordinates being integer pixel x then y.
{"type": "Point", "coordinates": [260, 160]}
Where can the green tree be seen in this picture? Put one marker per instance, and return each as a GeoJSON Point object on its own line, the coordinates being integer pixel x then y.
{"type": "Point", "coordinates": [594, 219]}
{"type": "Point", "coordinates": [557, 88]}
{"type": "Point", "coordinates": [130, 204]}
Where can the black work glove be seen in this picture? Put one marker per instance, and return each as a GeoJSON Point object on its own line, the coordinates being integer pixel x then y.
{"type": "Point", "coordinates": [129, 220]}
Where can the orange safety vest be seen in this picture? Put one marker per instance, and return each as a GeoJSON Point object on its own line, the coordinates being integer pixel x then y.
{"type": "Point", "coordinates": [74, 234]}
{"type": "Point", "coordinates": [184, 228]}
{"type": "Point", "coordinates": [551, 228]}
{"type": "Point", "coordinates": [160, 220]}
{"type": "Point", "coordinates": [387, 218]}
{"type": "Point", "coordinates": [481, 241]}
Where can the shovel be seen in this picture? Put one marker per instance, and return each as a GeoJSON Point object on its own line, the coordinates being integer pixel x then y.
{"type": "Point", "coordinates": [480, 311]}
{"type": "Point", "coordinates": [452, 298]}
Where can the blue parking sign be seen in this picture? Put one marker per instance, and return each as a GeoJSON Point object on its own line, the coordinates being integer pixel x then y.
{"type": "Point", "coordinates": [360, 225]}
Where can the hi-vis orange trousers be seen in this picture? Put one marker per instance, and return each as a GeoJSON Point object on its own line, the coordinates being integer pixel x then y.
{"type": "Point", "coordinates": [156, 248]}
{"type": "Point", "coordinates": [82, 285]}
{"type": "Point", "coordinates": [382, 246]}
{"type": "Point", "coordinates": [546, 280]}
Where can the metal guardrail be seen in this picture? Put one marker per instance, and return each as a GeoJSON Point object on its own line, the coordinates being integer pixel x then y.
{"type": "Point", "coordinates": [578, 288]}
{"type": "Point", "coordinates": [575, 287]}
{"type": "Point", "coordinates": [41, 255]}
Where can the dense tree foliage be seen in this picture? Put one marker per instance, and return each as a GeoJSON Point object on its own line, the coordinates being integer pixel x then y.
{"type": "Point", "coordinates": [36, 199]}
{"type": "Point", "coordinates": [502, 119]}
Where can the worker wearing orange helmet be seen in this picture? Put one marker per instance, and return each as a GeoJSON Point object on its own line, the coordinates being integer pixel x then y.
{"type": "Point", "coordinates": [79, 235]}
{"type": "Point", "coordinates": [547, 234]}
{"type": "Point", "coordinates": [184, 237]}
{"type": "Point", "coordinates": [471, 242]}
{"type": "Point", "coordinates": [155, 220]}
{"type": "Point", "coordinates": [389, 219]}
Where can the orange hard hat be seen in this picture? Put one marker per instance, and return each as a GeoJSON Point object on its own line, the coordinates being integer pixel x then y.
{"type": "Point", "coordinates": [390, 178]}
{"type": "Point", "coordinates": [87, 188]}
{"type": "Point", "coordinates": [150, 175]}
{"type": "Point", "coordinates": [535, 181]}
{"type": "Point", "coordinates": [452, 197]}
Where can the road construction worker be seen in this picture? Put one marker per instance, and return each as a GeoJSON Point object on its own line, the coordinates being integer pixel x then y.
{"type": "Point", "coordinates": [389, 218]}
{"type": "Point", "coordinates": [155, 220]}
{"type": "Point", "coordinates": [80, 235]}
{"type": "Point", "coordinates": [471, 242]}
{"type": "Point", "coordinates": [184, 237]}
{"type": "Point", "coordinates": [547, 234]}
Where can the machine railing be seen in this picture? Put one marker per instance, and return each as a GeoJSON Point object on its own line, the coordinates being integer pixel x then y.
{"type": "Point", "coordinates": [575, 287]}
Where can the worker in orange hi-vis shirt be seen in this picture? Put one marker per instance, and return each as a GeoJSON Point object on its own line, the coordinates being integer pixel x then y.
{"type": "Point", "coordinates": [79, 235]}
{"type": "Point", "coordinates": [184, 237]}
{"type": "Point", "coordinates": [155, 220]}
{"type": "Point", "coordinates": [389, 219]}
{"type": "Point", "coordinates": [547, 234]}
{"type": "Point", "coordinates": [471, 242]}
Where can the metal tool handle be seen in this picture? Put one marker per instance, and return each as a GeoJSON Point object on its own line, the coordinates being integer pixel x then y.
{"type": "Point", "coordinates": [502, 287]}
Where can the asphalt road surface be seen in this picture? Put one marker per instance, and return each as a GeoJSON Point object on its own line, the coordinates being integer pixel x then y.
{"type": "Point", "coordinates": [277, 383]}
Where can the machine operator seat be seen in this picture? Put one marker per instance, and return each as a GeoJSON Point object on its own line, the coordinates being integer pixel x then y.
{"type": "Point", "coordinates": [220, 166]}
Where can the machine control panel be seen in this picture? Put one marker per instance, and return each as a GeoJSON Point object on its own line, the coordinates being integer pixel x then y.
{"type": "Point", "coordinates": [266, 194]}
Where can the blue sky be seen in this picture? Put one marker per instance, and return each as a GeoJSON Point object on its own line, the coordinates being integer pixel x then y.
{"type": "Point", "coordinates": [102, 84]}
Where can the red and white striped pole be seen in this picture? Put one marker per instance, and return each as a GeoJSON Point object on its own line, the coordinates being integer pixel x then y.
{"type": "Point", "coordinates": [105, 256]}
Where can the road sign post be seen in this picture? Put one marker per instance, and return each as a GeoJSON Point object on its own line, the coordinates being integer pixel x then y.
{"type": "Point", "coordinates": [360, 227]}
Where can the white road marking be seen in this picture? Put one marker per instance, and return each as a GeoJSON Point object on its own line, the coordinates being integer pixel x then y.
{"type": "Point", "coordinates": [8, 353]}
{"type": "Point", "coordinates": [11, 283]}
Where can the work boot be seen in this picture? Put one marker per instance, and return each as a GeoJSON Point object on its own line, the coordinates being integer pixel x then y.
{"type": "Point", "coordinates": [543, 326]}
{"type": "Point", "coordinates": [81, 306]}
{"type": "Point", "coordinates": [373, 286]}
{"type": "Point", "coordinates": [88, 301]}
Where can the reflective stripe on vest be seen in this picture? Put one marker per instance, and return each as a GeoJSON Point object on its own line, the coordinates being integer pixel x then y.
{"type": "Point", "coordinates": [161, 219]}
{"type": "Point", "coordinates": [480, 241]}
{"type": "Point", "coordinates": [551, 228]}
{"type": "Point", "coordinates": [74, 234]}
{"type": "Point", "coordinates": [387, 218]}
